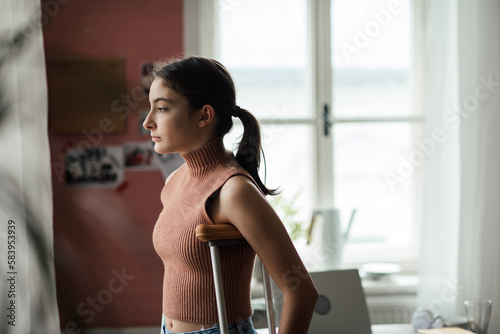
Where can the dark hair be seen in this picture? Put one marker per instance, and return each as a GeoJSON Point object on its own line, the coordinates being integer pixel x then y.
{"type": "Point", "coordinates": [203, 81]}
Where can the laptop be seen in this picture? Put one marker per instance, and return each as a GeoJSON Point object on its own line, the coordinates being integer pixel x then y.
{"type": "Point", "coordinates": [341, 306]}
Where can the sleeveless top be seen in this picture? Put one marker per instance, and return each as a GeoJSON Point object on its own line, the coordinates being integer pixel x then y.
{"type": "Point", "coordinates": [188, 285]}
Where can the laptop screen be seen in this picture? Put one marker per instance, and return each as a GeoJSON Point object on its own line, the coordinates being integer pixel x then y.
{"type": "Point", "coordinates": [341, 306]}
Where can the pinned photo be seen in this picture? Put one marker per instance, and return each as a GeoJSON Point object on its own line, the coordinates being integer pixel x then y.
{"type": "Point", "coordinates": [139, 155]}
{"type": "Point", "coordinates": [100, 167]}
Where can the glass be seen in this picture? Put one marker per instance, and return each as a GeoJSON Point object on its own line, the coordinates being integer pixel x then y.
{"type": "Point", "coordinates": [365, 153]}
{"type": "Point", "coordinates": [478, 314]}
{"type": "Point", "coordinates": [371, 58]}
{"type": "Point", "coordinates": [267, 55]}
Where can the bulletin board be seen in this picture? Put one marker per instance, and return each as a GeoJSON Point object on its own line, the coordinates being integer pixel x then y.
{"type": "Point", "coordinates": [85, 91]}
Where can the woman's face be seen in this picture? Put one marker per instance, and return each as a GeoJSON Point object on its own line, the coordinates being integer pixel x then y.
{"type": "Point", "coordinates": [173, 125]}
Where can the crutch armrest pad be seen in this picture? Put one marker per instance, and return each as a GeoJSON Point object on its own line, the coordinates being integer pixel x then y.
{"type": "Point", "coordinates": [208, 233]}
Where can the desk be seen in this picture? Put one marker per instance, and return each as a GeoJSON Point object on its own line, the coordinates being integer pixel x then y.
{"type": "Point", "coordinates": [376, 329]}
{"type": "Point", "coordinates": [393, 329]}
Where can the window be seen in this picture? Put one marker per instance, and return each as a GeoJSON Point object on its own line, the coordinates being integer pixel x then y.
{"type": "Point", "coordinates": [375, 125]}
{"type": "Point", "coordinates": [292, 60]}
{"type": "Point", "coordinates": [272, 76]}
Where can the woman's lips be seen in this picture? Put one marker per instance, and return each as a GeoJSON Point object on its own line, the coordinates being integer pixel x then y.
{"type": "Point", "coordinates": [154, 138]}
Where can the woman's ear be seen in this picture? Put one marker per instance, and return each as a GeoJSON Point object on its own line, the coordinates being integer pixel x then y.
{"type": "Point", "coordinates": [207, 116]}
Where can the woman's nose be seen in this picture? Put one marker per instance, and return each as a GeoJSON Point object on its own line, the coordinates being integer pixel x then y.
{"type": "Point", "coordinates": [148, 123]}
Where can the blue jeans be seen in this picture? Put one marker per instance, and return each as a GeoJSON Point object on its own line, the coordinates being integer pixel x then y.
{"type": "Point", "coordinates": [243, 327]}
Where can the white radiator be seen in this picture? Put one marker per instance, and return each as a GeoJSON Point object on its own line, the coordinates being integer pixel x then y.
{"type": "Point", "coordinates": [391, 309]}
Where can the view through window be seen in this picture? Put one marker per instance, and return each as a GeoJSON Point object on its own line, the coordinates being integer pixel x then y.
{"type": "Point", "coordinates": [267, 49]}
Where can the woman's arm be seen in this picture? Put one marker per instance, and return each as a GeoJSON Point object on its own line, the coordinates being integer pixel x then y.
{"type": "Point", "coordinates": [242, 204]}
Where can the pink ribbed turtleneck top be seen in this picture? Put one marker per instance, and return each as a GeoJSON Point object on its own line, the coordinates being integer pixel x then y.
{"type": "Point", "coordinates": [188, 287]}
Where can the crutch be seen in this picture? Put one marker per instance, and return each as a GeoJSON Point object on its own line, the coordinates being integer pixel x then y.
{"type": "Point", "coordinates": [224, 235]}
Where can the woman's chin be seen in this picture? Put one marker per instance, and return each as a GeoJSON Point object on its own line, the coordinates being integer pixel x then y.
{"type": "Point", "coordinates": [162, 150]}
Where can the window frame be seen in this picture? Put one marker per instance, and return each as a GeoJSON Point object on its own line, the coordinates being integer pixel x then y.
{"type": "Point", "coordinates": [201, 38]}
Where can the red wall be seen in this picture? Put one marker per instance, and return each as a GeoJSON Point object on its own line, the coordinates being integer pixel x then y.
{"type": "Point", "coordinates": [107, 272]}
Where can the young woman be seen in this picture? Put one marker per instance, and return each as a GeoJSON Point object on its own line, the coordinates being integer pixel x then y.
{"type": "Point", "coordinates": [192, 105]}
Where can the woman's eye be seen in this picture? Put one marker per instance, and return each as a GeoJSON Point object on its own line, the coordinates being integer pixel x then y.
{"type": "Point", "coordinates": [162, 109]}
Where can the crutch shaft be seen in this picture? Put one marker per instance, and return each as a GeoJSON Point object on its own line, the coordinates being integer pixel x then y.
{"type": "Point", "coordinates": [271, 323]}
{"type": "Point", "coordinates": [219, 290]}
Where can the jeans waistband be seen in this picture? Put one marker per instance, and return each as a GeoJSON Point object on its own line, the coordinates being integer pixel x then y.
{"type": "Point", "coordinates": [243, 327]}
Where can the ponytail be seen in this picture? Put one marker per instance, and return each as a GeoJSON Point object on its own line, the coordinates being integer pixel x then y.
{"type": "Point", "coordinates": [250, 148]}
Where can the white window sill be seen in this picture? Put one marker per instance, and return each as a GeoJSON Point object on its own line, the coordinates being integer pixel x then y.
{"type": "Point", "coordinates": [395, 285]}
{"type": "Point", "coordinates": [390, 286]}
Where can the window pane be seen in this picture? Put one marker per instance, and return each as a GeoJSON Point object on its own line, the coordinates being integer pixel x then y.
{"type": "Point", "coordinates": [264, 46]}
{"type": "Point", "coordinates": [364, 154]}
{"type": "Point", "coordinates": [266, 53]}
{"type": "Point", "coordinates": [371, 58]}
{"type": "Point", "coordinates": [289, 164]}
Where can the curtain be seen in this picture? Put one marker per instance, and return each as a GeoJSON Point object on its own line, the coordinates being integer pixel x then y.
{"type": "Point", "coordinates": [479, 68]}
{"type": "Point", "coordinates": [26, 263]}
{"type": "Point", "coordinates": [461, 217]}
{"type": "Point", "coordinates": [440, 218]}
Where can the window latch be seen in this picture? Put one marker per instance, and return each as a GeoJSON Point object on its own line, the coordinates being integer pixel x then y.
{"type": "Point", "coordinates": [327, 123]}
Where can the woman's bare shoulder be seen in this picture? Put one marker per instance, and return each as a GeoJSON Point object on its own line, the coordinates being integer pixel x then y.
{"type": "Point", "coordinates": [240, 187]}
